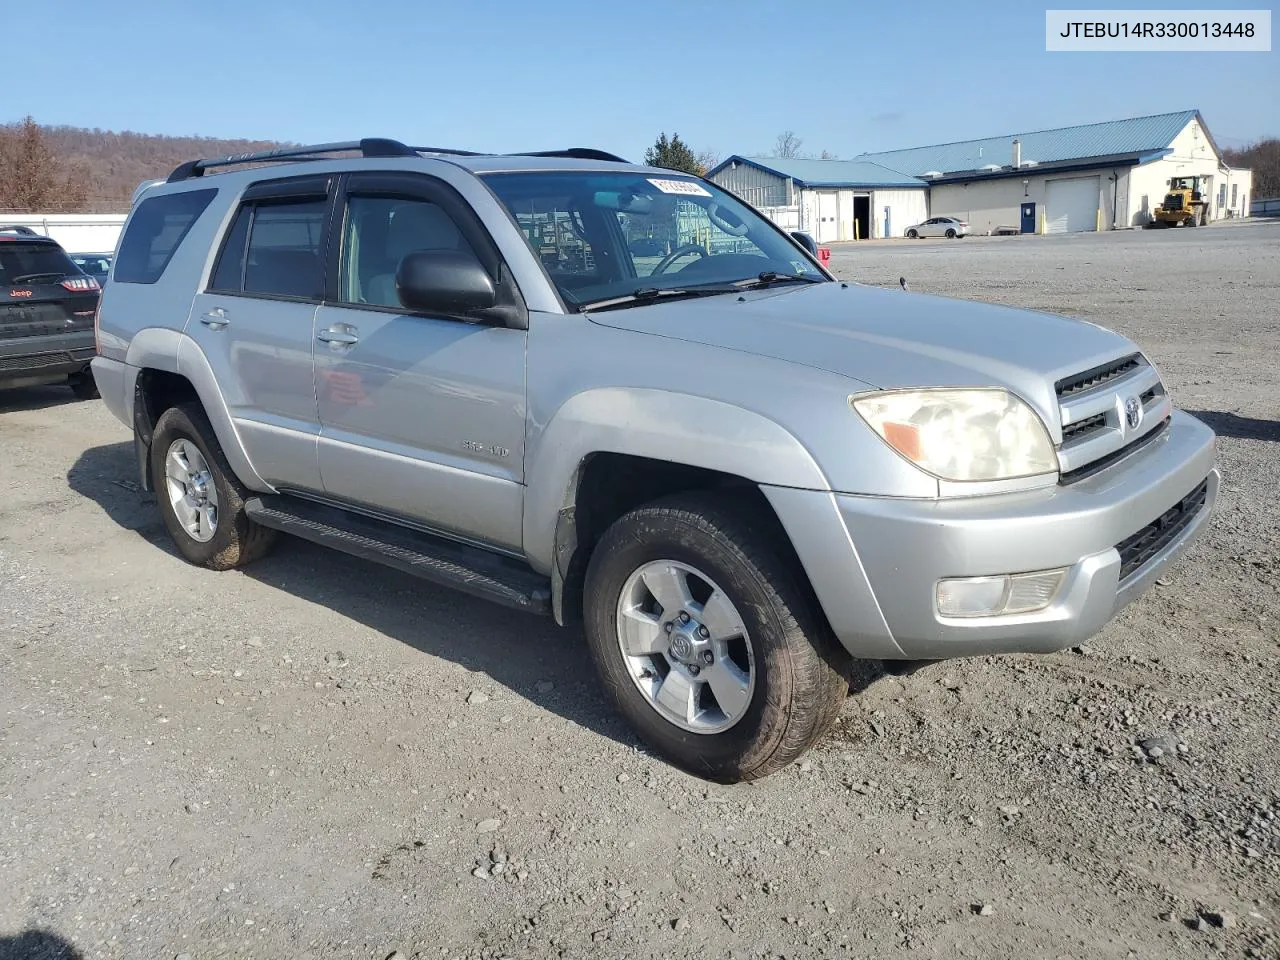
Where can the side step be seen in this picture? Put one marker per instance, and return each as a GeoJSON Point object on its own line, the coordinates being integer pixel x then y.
{"type": "Point", "coordinates": [472, 570]}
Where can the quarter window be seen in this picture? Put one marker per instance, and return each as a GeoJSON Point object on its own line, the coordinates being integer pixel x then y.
{"type": "Point", "coordinates": [155, 231]}
{"type": "Point", "coordinates": [378, 233]}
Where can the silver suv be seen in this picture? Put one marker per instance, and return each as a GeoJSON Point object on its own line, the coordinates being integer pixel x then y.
{"type": "Point", "coordinates": [604, 391]}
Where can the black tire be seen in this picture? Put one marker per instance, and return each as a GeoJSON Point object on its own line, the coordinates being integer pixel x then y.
{"type": "Point", "coordinates": [84, 386]}
{"type": "Point", "coordinates": [237, 540]}
{"type": "Point", "coordinates": [951, 234]}
{"type": "Point", "coordinates": [913, 234]}
{"type": "Point", "coordinates": [800, 668]}
{"type": "Point", "coordinates": [1190, 222]}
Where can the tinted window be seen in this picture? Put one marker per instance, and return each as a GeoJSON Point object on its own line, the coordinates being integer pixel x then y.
{"type": "Point", "coordinates": [155, 231]}
{"type": "Point", "coordinates": [377, 234]}
{"type": "Point", "coordinates": [34, 263]}
{"type": "Point", "coordinates": [229, 272]}
{"type": "Point", "coordinates": [284, 256]}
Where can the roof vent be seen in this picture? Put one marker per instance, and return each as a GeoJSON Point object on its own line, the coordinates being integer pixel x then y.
{"type": "Point", "coordinates": [990, 167]}
{"type": "Point", "coordinates": [931, 174]}
{"type": "Point", "coordinates": [1030, 163]}
{"type": "Point", "coordinates": [1017, 153]}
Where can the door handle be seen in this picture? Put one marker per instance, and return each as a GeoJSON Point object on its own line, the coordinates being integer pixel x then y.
{"type": "Point", "coordinates": [340, 337]}
{"type": "Point", "coordinates": [216, 318]}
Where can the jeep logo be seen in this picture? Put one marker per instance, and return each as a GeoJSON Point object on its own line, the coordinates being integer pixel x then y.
{"type": "Point", "coordinates": [20, 293]}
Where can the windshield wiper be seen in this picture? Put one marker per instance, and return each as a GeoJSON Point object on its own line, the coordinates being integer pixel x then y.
{"type": "Point", "coordinates": [645, 295]}
{"type": "Point", "coordinates": [32, 277]}
{"type": "Point", "coordinates": [767, 277]}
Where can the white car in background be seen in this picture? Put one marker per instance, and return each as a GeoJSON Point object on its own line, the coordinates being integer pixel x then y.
{"type": "Point", "coordinates": [949, 227]}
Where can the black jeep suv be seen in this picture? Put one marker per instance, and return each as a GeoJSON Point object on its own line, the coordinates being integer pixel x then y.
{"type": "Point", "coordinates": [47, 305]}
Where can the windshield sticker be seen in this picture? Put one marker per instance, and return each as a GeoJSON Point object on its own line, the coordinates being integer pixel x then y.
{"type": "Point", "coordinates": [686, 187]}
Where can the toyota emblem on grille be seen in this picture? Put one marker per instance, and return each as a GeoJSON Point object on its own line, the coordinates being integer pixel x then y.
{"type": "Point", "coordinates": [1132, 412]}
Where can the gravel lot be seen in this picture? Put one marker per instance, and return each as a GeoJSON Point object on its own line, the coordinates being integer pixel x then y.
{"type": "Point", "coordinates": [320, 758]}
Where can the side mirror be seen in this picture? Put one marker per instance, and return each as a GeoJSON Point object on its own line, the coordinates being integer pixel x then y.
{"type": "Point", "coordinates": [806, 241]}
{"type": "Point", "coordinates": [444, 281]}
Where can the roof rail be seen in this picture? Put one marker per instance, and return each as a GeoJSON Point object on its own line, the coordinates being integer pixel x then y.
{"type": "Point", "coordinates": [368, 147]}
{"type": "Point", "coordinates": [576, 153]}
{"type": "Point", "coordinates": [20, 229]}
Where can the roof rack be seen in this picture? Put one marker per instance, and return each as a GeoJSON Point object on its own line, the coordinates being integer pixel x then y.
{"type": "Point", "coordinates": [368, 147]}
{"type": "Point", "coordinates": [19, 229]}
{"type": "Point", "coordinates": [575, 153]}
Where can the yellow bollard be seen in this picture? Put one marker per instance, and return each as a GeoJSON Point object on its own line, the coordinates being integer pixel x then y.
{"type": "Point", "coordinates": [1042, 224]}
{"type": "Point", "coordinates": [857, 230]}
{"type": "Point", "coordinates": [1099, 219]}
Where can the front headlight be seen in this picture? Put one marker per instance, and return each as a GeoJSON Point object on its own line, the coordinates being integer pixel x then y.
{"type": "Point", "coordinates": [962, 434]}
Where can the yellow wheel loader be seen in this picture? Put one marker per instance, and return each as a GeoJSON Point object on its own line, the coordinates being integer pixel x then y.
{"type": "Point", "coordinates": [1184, 204]}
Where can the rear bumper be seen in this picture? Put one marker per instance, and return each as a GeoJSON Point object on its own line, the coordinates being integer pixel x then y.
{"type": "Point", "coordinates": [878, 566]}
{"type": "Point", "coordinates": [45, 359]}
{"type": "Point", "coordinates": [115, 383]}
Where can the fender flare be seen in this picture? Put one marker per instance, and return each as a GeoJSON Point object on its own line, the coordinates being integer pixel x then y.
{"type": "Point", "coordinates": [172, 351]}
{"type": "Point", "coordinates": [657, 424]}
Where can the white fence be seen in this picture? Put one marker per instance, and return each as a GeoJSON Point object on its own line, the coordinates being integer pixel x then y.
{"type": "Point", "coordinates": [76, 232]}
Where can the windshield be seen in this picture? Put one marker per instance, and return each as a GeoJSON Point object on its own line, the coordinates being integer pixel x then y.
{"type": "Point", "coordinates": [608, 235]}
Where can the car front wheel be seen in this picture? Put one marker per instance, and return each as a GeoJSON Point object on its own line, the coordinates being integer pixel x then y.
{"type": "Point", "coordinates": [707, 640]}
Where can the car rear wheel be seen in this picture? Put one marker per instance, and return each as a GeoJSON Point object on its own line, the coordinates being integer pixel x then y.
{"type": "Point", "coordinates": [708, 641]}
{"type": "Point", "coordinates": [200, 499]}
{"type": "Point", "coordinates": [951, 233]}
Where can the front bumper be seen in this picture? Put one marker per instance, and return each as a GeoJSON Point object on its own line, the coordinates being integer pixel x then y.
{"type": "Point", "coordinates": [876, 570]}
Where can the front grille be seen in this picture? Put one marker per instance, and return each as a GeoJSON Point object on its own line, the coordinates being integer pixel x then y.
{"type": "Point", "coordinates": [1084, 427]}
{"type": "Point", "coordinates": [1097, 410]}
{"type": "Point", "coordinates": [1087, 470]}
{"type": "Point", "coordinates": [1090, 379]}
{"type": "Point", "coordinates": [1136, 551]}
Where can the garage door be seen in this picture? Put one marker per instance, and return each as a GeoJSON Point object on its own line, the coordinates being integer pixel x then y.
{"type": "Point", "coordinates": [828, 217]}
{"type": "Point", "coordinates": [1072, 205]}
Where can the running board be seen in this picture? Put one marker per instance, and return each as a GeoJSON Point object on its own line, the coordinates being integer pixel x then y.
{"type": "Point", "coordinates": [472, 570]}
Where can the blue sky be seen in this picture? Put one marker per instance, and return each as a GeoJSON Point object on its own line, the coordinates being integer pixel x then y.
{"type": "Point", "coordinates": [502, 75]}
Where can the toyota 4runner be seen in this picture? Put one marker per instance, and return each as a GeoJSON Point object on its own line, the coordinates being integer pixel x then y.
{"type": "Point", "coordinates": [604, 391]}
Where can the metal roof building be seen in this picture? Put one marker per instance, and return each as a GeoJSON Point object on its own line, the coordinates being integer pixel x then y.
{"type": "Point", "coordinates": [1089, 177]}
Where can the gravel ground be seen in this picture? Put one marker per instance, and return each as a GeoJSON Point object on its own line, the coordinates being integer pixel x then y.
{"type": "Point", "coordinates": [319, 758]}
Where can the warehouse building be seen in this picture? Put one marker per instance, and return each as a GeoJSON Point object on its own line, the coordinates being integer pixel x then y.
{"type": "Point", "coordinates": [829, 199]}
{"type": "Point", "coordinates": [1098, 176]}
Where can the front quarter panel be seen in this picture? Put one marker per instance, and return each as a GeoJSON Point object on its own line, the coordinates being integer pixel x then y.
{"type": "Point", "coordinates": [596, 389]}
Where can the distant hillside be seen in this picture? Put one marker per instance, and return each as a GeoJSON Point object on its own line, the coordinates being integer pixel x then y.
{"type": "Point", "coordinates": [113, 164]}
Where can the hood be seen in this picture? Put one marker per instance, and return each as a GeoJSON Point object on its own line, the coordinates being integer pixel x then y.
{"type": "Point", "coordinates": [889, 338]}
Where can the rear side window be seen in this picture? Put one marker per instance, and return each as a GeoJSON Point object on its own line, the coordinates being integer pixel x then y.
{"type": "Point", "coordinates": [274, 248]}
{"type": "Point", "coordinates": [155, 232]}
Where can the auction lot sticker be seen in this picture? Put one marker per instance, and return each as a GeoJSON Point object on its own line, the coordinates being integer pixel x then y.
{"type": "Point", "coordinates": [685, 187]}
{"type": "Point", "coordinates": [1101, 31]}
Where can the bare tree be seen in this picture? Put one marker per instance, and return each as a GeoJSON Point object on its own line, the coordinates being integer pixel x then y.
{"type": "Point", "coordinates": [827, 155]}
{"type": "Point", "coordinates": [787, 144]}
{"type": "Point", "coordinates": [708, 158]}
{"type": "Point", "coordinates": [1263, 158]}
{"type": "Point", "coordinates": [31, 178]}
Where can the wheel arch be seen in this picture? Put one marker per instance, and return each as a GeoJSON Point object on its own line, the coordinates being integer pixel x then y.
{"type": "Point", "coordinates": [607, 451]}
{"type": "Point", "coordinates": [172, 369]}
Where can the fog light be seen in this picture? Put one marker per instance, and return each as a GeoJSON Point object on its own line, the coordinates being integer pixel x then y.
{"type": "Point", "coordinates": [998, 596]}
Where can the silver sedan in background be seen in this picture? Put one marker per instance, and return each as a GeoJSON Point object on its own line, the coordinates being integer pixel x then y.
{"type": "Point", "coordinates": [949, 227]}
